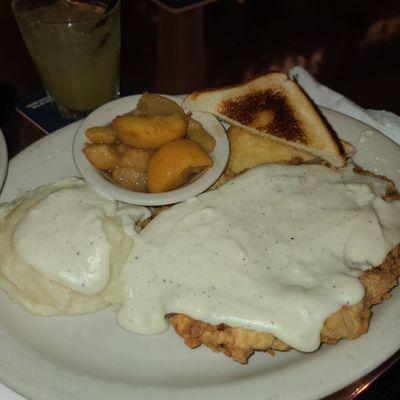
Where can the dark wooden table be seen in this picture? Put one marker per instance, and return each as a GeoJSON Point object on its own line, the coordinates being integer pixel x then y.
{"type": "Point", "coordinates": [233, 42]}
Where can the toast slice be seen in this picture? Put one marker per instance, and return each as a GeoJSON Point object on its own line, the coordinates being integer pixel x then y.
{"type": "Point", "coordinates": [248, 150]}
{"type": "Point", "coordinates": [275, 107]}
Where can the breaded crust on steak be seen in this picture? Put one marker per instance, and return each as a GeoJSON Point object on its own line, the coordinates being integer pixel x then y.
{"type": "Point", "coordinates": [348, 323]}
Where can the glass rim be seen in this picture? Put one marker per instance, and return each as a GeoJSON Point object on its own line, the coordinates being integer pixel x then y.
{"type": "Point", "coordinates": [50, 22]}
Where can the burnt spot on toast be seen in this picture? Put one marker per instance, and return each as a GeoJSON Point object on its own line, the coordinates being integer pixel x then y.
{"type": "Point", "coordinates": [266, 111]}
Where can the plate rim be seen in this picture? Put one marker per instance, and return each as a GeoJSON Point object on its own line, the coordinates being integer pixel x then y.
{"type": "Point", "coordinates": [3, 159]}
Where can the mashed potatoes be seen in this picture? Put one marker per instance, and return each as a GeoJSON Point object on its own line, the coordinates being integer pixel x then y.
{"type": "Point", "coordinates": [62, 247]}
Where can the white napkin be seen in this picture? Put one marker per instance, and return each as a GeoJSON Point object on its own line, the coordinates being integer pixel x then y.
{"type": "Point", "coordinates": [384, 121]}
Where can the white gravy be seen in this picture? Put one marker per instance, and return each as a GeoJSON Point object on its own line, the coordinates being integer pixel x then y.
{"type": "Point", "coordinates": [64, 235]}
{"type": "Point", "coordinates": [277, 249]}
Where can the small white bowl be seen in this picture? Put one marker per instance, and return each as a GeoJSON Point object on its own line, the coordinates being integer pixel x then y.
{"type": "Point", "coordinates": [105, 114]}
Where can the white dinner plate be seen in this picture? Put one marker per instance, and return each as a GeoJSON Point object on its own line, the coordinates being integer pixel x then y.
{"type": "Point", "coordinates": [3, 159]}
{"type": "Point", "coordinates": [90, 357]}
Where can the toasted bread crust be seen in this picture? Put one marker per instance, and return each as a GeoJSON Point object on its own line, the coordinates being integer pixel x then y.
{"type": "Point", "coordinates": [276, 76]}
{"type": "Point", "coordinates": [276, 107]}
{"type": "Point", "coordinates": [246, 109]}
{"type": "Point", "coordinates": [247, 151]}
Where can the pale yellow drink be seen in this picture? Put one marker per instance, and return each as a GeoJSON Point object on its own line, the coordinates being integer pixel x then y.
{"type": "Point", "coordinates": [75, 46]}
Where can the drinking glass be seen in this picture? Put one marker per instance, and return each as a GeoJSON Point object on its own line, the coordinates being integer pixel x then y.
{"type": "Point", "coordinates": [75, 46]}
